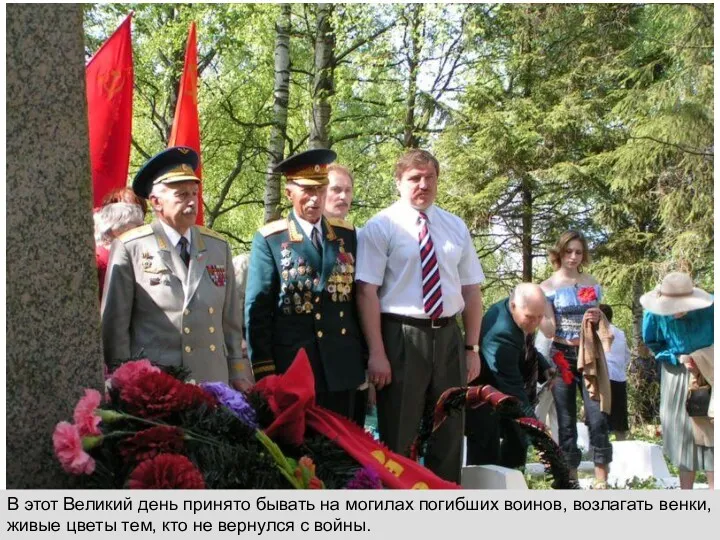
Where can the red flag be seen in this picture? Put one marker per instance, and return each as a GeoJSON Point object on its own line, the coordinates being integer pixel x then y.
{"type": "Point", "coordinates": [109, 81]}
{"type": "Point", "coordinates": [186, 125]}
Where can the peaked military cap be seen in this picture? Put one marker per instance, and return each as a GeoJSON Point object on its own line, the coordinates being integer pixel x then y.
{"type": "Point", "coordinates": [175, 164]}
{"type": "Point", "coordinates": [307, 168]}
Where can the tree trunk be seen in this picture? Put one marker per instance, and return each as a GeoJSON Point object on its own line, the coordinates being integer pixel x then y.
{"type": "Point", "coordinates": [323, 84]}
{"type": "Point", "coordinates": [413, 58]}
{"type": "Point", "coordinates": [527, 219]}
{"type": "Point", "coordinates": [281, 92]}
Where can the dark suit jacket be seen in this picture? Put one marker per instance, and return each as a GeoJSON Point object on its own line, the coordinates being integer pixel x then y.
{"type": "Point", "coordinates": [296, 300]}
{"type": "Point", "coordinates": [502, 352]}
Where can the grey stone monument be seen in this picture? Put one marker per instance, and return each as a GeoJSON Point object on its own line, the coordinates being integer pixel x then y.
{"type": "Point", "coordinates": [53, 323]}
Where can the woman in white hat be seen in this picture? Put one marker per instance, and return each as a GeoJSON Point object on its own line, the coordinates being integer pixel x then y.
{"type": "Point", "coordinates": [678, 323]}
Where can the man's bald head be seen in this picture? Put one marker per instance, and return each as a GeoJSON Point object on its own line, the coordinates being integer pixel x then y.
{"type": "Point", "coordinates": [527, 306]}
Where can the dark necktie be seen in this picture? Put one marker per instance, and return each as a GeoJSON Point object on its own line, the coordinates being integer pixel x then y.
{"type": "Point", "coordinates": [315, 237]}
{"type": "Point", "coordinates": [184, 252]}
{"type": "Point", "coordinates": [431, 289]}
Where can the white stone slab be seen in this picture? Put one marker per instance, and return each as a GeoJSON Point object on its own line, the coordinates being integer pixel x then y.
{"type": "Point", "coordinates": [639, 459]}
{"type": "Point", "coordinates": [492, 477]}
{"type": "Point", "coordinates": [583, 440]}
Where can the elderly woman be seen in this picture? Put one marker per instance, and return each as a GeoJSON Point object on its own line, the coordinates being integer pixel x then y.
{"type": "Point", "coordinates": [110, 222]}
{"type": "Point", "coordinates": [678, 329]}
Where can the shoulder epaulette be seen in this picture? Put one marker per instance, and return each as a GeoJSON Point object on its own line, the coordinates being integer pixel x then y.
{"type": "Point", "coordinates": [137, 232]}
{"type": "Point", "coordinates": [210, 232]}
{"type": "Point", "coordinates": [274, 227]}
{"type": "Point", "coordinates": [337, 222]}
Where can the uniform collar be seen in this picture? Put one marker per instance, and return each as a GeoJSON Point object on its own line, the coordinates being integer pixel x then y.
{"type": "Point", "coordinates": [307, 227]}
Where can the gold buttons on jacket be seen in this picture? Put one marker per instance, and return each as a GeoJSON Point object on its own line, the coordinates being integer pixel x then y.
{"type": "Point", "coordinates": [211, 310]}
{"type": "Point", "coordinates": [211, 329]}
{"type": "Point", "coordinates": [188, 348]}
{"type": "Point", "coordinates": [212, 348]}
{"type": "Point", "coordinates": [342, 314]}
{"type": "Point", "coordinates": [343, 331]}
{"type": "Point", "coordinates": [186, 312]}
{"type": "Point", "coordinates": [186, 330]}
{"type": "Point", "coordinates": [319, 333]}
{"type": "Point", "coordinates": [317, 299]}
{"type": "Point", "coordinates": [318, 316]}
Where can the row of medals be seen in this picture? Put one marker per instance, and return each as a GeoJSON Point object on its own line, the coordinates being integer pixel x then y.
{"type": "Point", "coordinates": [299, 292]}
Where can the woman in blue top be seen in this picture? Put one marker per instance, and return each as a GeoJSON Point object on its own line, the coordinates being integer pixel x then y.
{"type": "Point", "coordinates": [677, 324]}
{"type": "Point", "coordinates": [571, 293]}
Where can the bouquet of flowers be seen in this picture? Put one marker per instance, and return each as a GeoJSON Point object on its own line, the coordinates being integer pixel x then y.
{"type": "Point", "coordinates": [154, 430]}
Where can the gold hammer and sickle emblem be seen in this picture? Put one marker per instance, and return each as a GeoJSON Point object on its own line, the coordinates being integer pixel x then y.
{"type": "Point", "coordinates": [112, 82]}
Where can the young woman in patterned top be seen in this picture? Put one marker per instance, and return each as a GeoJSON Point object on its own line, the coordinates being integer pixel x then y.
{"type": "Point", "coordinates": [571, 293]}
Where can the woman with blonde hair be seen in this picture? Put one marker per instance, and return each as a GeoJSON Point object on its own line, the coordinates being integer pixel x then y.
{"type": "Point", "coordinates": [678, 329]}
{"type": "Point", "coordinates": [573, 299]}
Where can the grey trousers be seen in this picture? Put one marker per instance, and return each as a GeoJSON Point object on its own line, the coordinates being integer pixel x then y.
{"type": "Point", "coordinates": [425, 362]}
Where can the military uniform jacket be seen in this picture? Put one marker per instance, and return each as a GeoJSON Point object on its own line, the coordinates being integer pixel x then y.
{"type": "Point", "coordinates": [155, 307]}
{"type": "Point", "coordinates": [502, 352]}
{"type": "Point", "coordinates": [294, 299]}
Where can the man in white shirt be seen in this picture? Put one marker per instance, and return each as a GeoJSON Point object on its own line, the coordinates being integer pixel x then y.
{"type": "Point", "coordinates": [417, 270]}
{"type": "Point", "coordinates": [617, 361]}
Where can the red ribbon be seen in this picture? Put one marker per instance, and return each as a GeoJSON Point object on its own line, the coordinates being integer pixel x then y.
{"type": "Point", "coordinates": [291, 397]}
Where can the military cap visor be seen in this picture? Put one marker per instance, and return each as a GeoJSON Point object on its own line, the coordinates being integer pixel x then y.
{"type": "Point", "coordinates": [176, 164]}
{"type": "Point", "coordinates": [307, 168]}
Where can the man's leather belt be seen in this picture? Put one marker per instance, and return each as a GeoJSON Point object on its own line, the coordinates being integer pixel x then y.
{"type": "Point", "coordinates": [420, 323]}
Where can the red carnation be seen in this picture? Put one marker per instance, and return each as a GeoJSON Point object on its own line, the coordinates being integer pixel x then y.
{"type": "Point", "coordinates": [166, 471]}
{"type": "Point", "coordinates": [192, 395]}
{"type": "Point", "coordinates": [587, 295]}
{"type": "Point", "coordinates": [157, 395]}
{"type": "Point", "coordinates": [151, 442]}
{"type": "Point", "coordinates": [564, 367]}
{"type": "Point", "coordinates": [153, 395]}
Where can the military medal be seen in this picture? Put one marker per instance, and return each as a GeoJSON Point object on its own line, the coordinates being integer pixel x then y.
{"type": "Point", "coordinates": [285, 262]}
{"type": "Point", "coordinates": [293, 273]}
{"type": "Point", "coordinates": [301, 270]}
{"type": "Point", "coordinates": [308, 283]}
{"type": "Point", "coordinates": [308, 307]}
{"type": "Point", "coordinates": [217, 274]}
{"type": "Point", "coordinates": [285, 274]}
{"type": "Point", "coordinates": [287, 311]}
{"type": "Point", "coordinates": [300, 285]}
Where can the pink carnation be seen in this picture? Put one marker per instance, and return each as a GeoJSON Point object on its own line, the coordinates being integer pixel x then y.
{"type": "Point", "coordinates": [84, 416]}
{"type": "Point", "coordinates": [130, 371]}
{"type": "Point", "coordinates": [69, 450]}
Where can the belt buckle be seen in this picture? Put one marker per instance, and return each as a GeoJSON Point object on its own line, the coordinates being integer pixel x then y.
{"type": "Point", "coordinates": [435, 324]}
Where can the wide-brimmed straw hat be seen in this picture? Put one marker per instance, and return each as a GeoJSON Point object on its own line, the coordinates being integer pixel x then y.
{"type": "Point", "coordinates": [675, 294]}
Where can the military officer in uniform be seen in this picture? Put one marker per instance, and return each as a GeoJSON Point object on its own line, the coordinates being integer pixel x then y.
{"type": "Point", "coordinates": [301, 292]}
{"type": "Point", "coordinates": [170, 288]}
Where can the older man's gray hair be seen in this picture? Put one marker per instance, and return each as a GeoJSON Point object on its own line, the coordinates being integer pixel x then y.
{"type": "Point", "coordinates": [114, 219]}
{"type": "Point", "coordinates": [527, 293]}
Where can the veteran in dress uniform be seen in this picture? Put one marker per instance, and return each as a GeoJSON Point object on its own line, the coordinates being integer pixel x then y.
{"type": "Point", "coordinates": [300, 291]}
{"type": "Point", "coordinates": [170, 288]}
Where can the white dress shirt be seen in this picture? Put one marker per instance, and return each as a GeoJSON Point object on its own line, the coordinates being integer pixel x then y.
{"type": "Point", "coordinates": [388, 255]}
{"type": "Point", "coordinates": [618, 357]}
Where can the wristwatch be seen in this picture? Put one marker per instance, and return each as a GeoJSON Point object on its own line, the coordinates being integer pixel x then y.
{"type": "Point", "coordinates": [473, 348]}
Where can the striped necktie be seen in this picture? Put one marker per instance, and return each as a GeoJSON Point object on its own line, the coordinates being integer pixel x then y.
{"type": "Point", "coordinates": [431, 289]}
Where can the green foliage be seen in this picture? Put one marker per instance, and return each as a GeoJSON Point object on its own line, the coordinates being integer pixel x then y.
{"type": "Point", "coordinates": [545, 117]}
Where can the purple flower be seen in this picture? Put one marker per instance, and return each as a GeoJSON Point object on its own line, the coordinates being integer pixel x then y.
{"type": "Point", "coordinates": [365, 478]}
{"type": "Point", "coordinates": [233, 400]}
